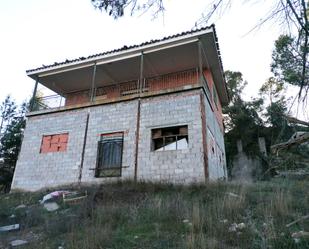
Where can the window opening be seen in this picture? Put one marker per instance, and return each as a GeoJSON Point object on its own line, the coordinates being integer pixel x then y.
{"type": "Point", "coordinates": [170, 138]}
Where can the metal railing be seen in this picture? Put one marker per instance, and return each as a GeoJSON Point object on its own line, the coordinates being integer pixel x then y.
{"type": "Point", "coordinates": [172, 80]}
{"type": "Point", "coordinates": [47, 102]}
{"type": "Point", "coordinates": [119, 89]}
{"type": "Point", "coordinates": [152, 84]}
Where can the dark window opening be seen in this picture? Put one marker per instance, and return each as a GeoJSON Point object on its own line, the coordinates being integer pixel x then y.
{"type": "Point", "coordinates": [170, 138]}
{"type": "Point", "coordinates": [109, 157]}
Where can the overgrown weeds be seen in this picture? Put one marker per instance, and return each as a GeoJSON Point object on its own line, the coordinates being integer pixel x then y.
{"type": "Point", "coordinates": [145, 215]}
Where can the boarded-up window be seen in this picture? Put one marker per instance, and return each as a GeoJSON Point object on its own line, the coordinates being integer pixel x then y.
{"type": "Point", "coordinates": [170, 138]}
{"type": "Point", "coordinates": [54, 143]}
{"type": "Point", "coordinates": [109, 156]}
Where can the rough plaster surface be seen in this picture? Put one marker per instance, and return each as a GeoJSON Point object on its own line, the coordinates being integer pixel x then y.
{"type": "Point", "coordinates": [35, 170]}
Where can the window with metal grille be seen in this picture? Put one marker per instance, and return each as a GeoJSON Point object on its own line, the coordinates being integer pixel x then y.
{"type": "Point", "coordinates": [109, 156]}
{"type": "Point", "coordinates": [170, 138]}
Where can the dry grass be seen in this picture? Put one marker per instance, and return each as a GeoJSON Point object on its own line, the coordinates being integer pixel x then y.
{"type": "Point", "coordinates": [128, 215]}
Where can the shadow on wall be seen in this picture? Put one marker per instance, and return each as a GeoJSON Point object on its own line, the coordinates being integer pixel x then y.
{"type": "Point", "coordinates": [247, 169]}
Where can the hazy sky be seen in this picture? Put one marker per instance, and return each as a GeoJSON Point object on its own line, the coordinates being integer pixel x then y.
{"type": "Point", "coordinates": [36, 32]}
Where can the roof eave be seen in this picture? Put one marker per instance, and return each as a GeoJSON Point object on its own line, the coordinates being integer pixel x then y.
{"type": "Point", "coordinates": [116, 56]}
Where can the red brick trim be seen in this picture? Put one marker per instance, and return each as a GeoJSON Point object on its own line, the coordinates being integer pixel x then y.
{"type": "Point", "coordinates": [138, 116]}
{"type": "Point", "coordinates": [204, 135]}
{"type": "Point", "coordinates": [54, 143]}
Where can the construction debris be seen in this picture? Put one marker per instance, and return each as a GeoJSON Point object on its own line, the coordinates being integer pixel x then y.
{"type": "Point", "coordinates": [232, 194]}
{"type": "Point", "coordinates": [298, 220]}
{"type": "Point", "coordinates": [224, 221]}
{"type": "Point", "coordinates": [300, 234]}
{"type": "Point", "coordinates": [51, 206]}
{"type": "Point", "coordinates": [54, 195]}
{"type": "Point", "coordinates": [235, 227]}
{"type": "Point", "coordinates": [10, 228]}
{"type": "Point", "coordinates": [73, 197]}
{"type": "Point", "coordinates": [20, 206]}
{"type": "Point", "coordinates": [18, 242]}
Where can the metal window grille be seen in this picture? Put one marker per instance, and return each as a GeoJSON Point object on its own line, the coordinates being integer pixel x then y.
{"type": "Point", "coordinates": [109, 157]}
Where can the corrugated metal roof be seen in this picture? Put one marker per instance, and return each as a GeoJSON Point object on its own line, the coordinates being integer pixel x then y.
{"type": "Point", "coordinates": [124, 48]}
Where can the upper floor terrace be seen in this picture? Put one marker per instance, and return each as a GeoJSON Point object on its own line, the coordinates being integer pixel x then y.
{"type": "Point", "coordinates": [181, 62]}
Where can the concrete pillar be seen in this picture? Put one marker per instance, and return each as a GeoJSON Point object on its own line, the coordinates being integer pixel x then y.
{"type": "Point", "coordinates": [239, 146]}
{"type": "Point", "coordinates": [262, 146]}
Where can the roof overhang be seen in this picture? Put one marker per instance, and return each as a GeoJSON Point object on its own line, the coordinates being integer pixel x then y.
{"type": "Point", "coordinates": [172, 54]}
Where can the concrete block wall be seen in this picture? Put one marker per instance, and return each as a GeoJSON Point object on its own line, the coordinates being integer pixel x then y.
{"type": "Point", "coordinates": [178, 166]}
{"type": "Point", "coordinates": [120, 117]}
{"type": "Point", "coordinates": [35, 170]}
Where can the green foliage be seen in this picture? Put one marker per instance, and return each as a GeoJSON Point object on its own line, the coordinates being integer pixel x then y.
{"type": "Point", "coordinates": [290, 62]}
{"type": "Point", "coordinates": [113, 8]}
{"type": "Point", "coordinates": [12, 137]}
{"type": "Point", "coordinates": [235, 85]}
{"type": "Point", "coordinates": [10, 140]}
{"type": "Point", "coordinates": [276, 128]}
{"type": "Point", "coordinates": [7, 111]}
{"type": "Point", "coordinates": [242, 120]}
{"type": "Point", "coordinates": [117, 8]}
{"type": "Point", "coordinates": [273, 89]}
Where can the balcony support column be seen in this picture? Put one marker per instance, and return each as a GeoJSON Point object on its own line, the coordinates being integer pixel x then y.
{"type": "Point", "coordinates": [32, 101]}
{"type": "Point", "coordinates": [200, 60]}
{"type": "Point", "coordinates": [141, 73]}
{"type": "Point", "coordinates": [138, 115]}
{"type": "Point", "coordinates": [93, 87]}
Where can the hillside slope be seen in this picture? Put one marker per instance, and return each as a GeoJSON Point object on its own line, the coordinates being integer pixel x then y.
{"type": "Point", "coordinates": [127, 215]}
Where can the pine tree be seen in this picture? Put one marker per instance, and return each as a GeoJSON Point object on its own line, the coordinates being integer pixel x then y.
{"type": "Point", "coordinates": [13, 121]}
{"type": "Point", "coordinates": [7, 111]}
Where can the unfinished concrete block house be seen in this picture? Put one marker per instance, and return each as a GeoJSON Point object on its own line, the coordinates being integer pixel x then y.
{"type": "Point", "coordinates": [150, 112]}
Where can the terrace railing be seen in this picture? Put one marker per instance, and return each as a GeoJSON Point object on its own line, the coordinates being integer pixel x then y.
{"type": "Point", "coordinates": [47, 102]}
{"type": "Point", "coordinates": [114, 91]}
